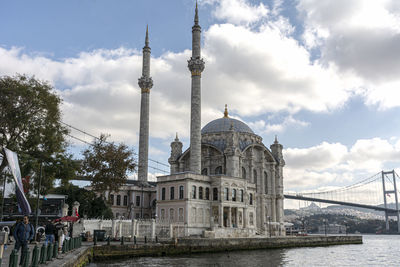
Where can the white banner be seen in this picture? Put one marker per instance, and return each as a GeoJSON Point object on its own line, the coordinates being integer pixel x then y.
{"type": "Point", "coordinates": [12, 160]}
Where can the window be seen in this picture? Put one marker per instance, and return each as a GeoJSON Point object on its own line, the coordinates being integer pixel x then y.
{"type": "Point", "coordinates": [233, 194]}
{"type": "Point", "coordinates": [181, 192]}
{"type": "Point", "coordinates": [266, 182]}
{"type": "Point", "coordinates": [243, 173]}
{"type": "Point", "coordinates": [254, 176]}
{"type": "Point", "coordinates": [204, 171]}
{"type": "Point", "coordinates": [163, 193]}
{"type": "Point", "coordinates": [137, 201]}
{"type": "Point", "coordinates": [200, 192]}
{"type": "Point", "coordinates": [226, 192]}
{"type": "Point", "coordinates": [194, 192]}
{"type": "Point", "coordinates": [117, 215]}
{"type": "Point", "coordinates": [125, 200]}
{"type": "Point", "coordinates": [112, 200]}
{"type": "Point", "coordinates": [171, 193]}
{"type": "Point", "coordinates": [162, 214]}
{"type": "Point", "coordinates": [251, 218]}
{"type": "Point", "coordinates": [118, 200]}
{"type": "Point", "coordinates": [171, 215]}
{"type": "Point", "coordinates": [251, 199]}
{"type": "Point", "coordinates": [218, 170]}
{"type": "Point", "coordinates": [137, 216]}
{"type": "Point", "coordinates": [180, 214]}
{"type": "Point", "coordinates": [207, 193]}
{"type": "Point", "coordinates": [241, 195]}
{"type": "Point", "coordinates": [215, 194]}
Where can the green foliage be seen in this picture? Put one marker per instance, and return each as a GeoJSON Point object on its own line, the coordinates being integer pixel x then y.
{"type": "Point", "coordinates": [91, 205]}
{"type": "Point", "coordinates": [107, 165]}
{"type": "Point", "coordinates": [30, 126]}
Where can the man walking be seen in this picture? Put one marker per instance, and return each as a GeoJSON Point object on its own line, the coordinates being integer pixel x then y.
{"type": "Point", "coordinates": [23, 233]}
{"type": "Point", "coordinates": [49, 230]}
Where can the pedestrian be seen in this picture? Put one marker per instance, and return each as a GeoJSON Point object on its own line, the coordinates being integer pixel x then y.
{"type": "Point", "coordinates": [49, 231]}
{"type": "Point", "coordinates": [23, 233]}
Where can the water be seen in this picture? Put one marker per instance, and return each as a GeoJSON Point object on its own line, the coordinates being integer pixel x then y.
{"type": "Point", "coordinates": [377, 250]}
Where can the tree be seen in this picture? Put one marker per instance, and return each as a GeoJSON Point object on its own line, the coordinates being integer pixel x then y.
{"type": "Point", "coordinates": [91, 205]}
{"type": "Point", "coordinates": [30, 120]}
{"type": "Point", "coordinates": [107, 165]}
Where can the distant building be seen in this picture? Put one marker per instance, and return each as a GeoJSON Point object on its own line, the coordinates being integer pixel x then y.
{"type": "Point", "coordinates": [134, 200]}
{"type": "Point", "coordinates": [332, 229]}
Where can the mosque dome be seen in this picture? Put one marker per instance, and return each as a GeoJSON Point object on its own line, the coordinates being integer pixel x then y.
{"type": "Point", "coordinates": [224, 125]}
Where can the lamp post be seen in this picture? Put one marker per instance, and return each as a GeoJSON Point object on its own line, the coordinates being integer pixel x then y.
{"type": "Point", "coordinates": [4, 194]}
{"type": "Point", "coordinates": [269, 226]}
{"type": "Point", "coordinates": [38, 197]}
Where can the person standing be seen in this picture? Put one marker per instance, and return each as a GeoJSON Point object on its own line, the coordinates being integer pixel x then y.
{"type": "Point", "coordinates": [23, 233]}
{"type": "Point", "coordinates": [49, 231]}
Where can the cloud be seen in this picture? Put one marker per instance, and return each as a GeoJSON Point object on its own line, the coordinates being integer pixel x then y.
{"type": "Point", "coordinates": [237, 11]}
{"type": "Point", "coordinates": [334, 163]}
{"type": "Point", "coordinates": [361, 39]}
{"type": "Point", "coordinates": [261, 127]}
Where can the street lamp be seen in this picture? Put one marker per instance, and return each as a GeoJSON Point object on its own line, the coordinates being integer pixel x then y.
{"type": "Point", "coordinates": [269, 225]}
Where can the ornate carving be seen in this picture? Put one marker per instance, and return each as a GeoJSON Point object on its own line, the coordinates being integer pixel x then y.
{"type": "Point", "coordinates": [196, 66]}
{"type": "Point", "coordinates": [145, 83]}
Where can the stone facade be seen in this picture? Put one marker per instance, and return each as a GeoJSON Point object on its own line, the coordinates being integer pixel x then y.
{"type": "Point", "coordinates": [135, 200]}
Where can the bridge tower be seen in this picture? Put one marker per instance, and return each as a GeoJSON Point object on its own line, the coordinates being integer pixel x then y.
{"type": "Point", "coordinates": [388, 192]}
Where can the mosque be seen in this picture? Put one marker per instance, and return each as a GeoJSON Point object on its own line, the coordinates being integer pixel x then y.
{"type": "Point", "coordinates": [226, 184]}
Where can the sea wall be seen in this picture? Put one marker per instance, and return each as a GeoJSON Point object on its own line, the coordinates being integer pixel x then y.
{"type": "Point", "coordinates": [202, 245]}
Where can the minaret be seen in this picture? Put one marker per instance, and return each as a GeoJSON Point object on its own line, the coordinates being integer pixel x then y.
{"type": "Point", "coordinates": [196, 66]}
{"type": "Point", "coordinates": [145, 83]}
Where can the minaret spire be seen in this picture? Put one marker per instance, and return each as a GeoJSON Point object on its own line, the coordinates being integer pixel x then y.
{"type": "Point", "coordinates": [146, 42]}
{"type": "Point", "coordinates": [196, 16]}
{"type": "Point", "coordinates": [145, 83]}
{"type": "Point", "coordinates": [196, 66]}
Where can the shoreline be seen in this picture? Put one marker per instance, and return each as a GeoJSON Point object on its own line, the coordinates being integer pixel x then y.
{"type": "Point", "coordinates": [187, 246]}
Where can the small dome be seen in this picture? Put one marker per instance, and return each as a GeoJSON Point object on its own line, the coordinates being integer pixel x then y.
{"type": "Point", "coordinates": [224, 125]}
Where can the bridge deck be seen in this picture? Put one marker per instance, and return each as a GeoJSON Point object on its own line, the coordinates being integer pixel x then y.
{"type": "Point", "coordinates": [300, 197]}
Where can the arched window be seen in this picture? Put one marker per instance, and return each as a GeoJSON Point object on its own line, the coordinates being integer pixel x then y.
{"type": "Point", "coordinates": [215, 194]}
{"type": "Point", "coordinates": [181, 192]}
{"type": "Point", "coordinates": [204, 171]}
{"type": "Point", "coordinates": [163, 193]}
{"type": "Point", "coordinates": [218, 170]}
{"type": "Point", "coordinates": [251, 199]}
{"type": "Point", "coordinates": [266, 182]}
{"type": "Point", "coordinates": [243, 173]}
{"type": "Point", "coordinates": [241, 195]}
{"type": "Point", "coordinates": [119, 200]}
{"type": "Point", "coordinates": [207, 193]}
{"type": "Point", "coordinates": [194, 192]}
{"type": "Point", "coordinates": [254, 176]}
{"type": "Point", "coordinates": [112, 200]}
{"type": "Point", "coordinates": [200, 192]}
{"type": "Point", "coordinates": [226, 193]}
{"type": "Point", "coordinates": [162, 214]}
{"type": "Point", "coordinates": [172, 193]}
{"type": "Point", "coordinates": [233, 194]}
{"type": "Point", "coordinates": [125, 200]}
{"type": "Point", "coordinates": [171, 215]}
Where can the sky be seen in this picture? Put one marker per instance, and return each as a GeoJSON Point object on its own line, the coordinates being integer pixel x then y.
{"type": "Point", "coordinates": [321, 75]}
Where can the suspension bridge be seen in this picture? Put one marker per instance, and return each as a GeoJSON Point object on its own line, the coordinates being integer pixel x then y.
{"type": "Point", "coordinates": [375, 192]}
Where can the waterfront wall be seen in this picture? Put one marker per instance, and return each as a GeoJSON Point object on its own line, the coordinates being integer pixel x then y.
{"type": "Point", "coordinates": [201, 245]}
